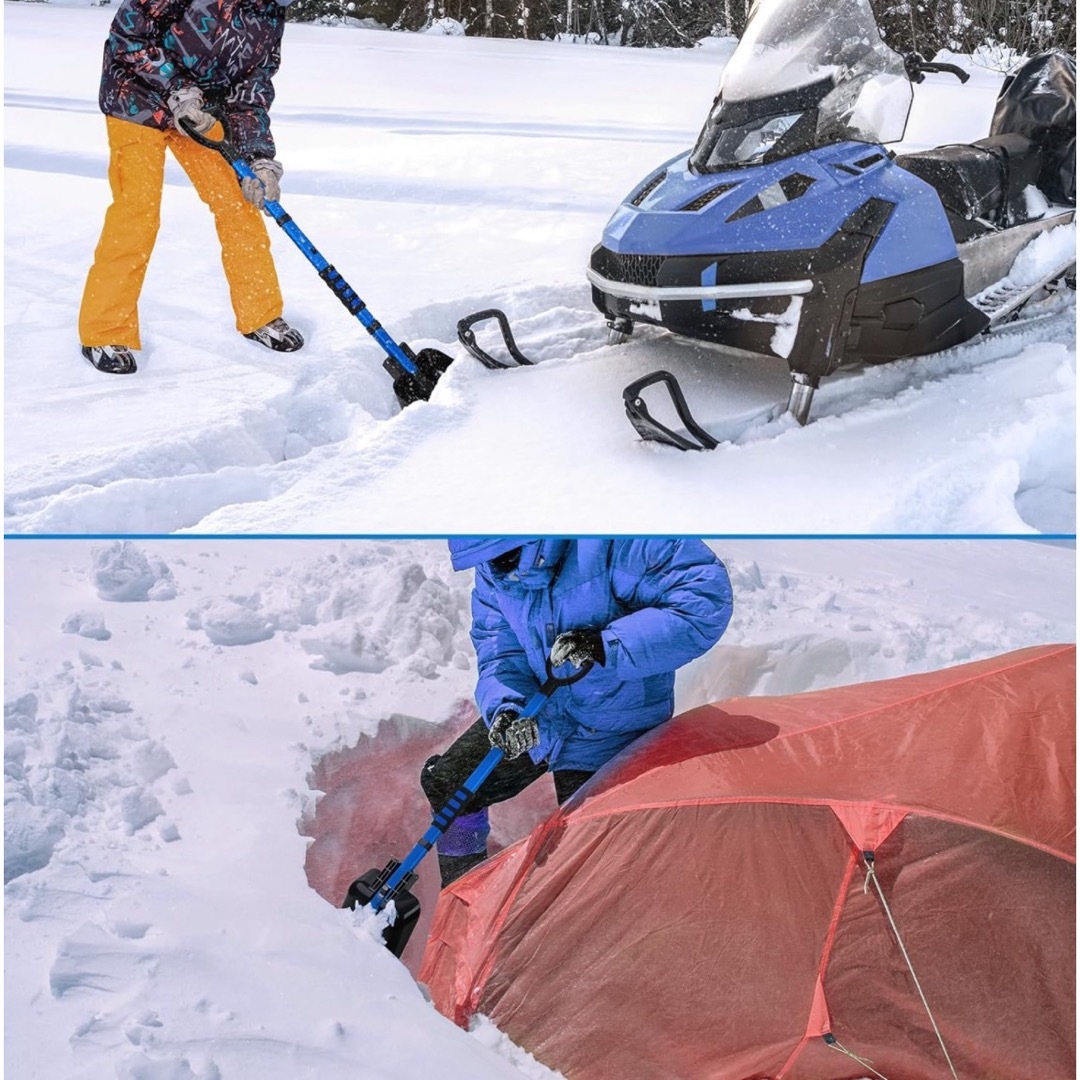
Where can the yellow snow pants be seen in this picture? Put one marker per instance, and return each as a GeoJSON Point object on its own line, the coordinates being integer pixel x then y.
{"type": "Point", "coordinates": [109, 312]}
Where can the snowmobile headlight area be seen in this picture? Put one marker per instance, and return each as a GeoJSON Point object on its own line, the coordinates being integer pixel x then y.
{"type": "Point", "coordinates": [749, 143]}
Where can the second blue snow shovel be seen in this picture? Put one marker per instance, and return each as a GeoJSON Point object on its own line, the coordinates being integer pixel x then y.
{"type": "Point", "coordinates": [414, 374]}
{"type": "Point", "coordinates": [377, 888]}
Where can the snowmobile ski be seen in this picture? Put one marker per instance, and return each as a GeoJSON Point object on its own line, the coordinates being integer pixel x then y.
{"type": "Point", "coordinates": [649, 428]}
{"type": "Point", "coordinates": [377, 888]}
{"type": "Point", "coordinates": [1003, 304]}
{"type": "Point", "coordinates": [467, 337]}
{"type": "Point", "coordinates": [414, 374]}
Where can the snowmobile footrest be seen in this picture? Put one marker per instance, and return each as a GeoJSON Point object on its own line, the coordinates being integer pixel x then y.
{"type": "Point", "coordinates": [649, 428]}
{"type": "Point", "coordinates": [468, 339]}
{"type": "Point", "coordinates": [407, 907]}
{"type": "Point", "coordinates": [1004, 300]}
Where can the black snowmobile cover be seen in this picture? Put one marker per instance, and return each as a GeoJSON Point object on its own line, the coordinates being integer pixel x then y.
{"type": "Point", "coordinates": [1039, 102]}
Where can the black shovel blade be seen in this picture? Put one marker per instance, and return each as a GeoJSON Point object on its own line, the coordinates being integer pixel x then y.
{"type": "Point", "coordinates": [363, 889]}
{"type": "Point", "coordinates": [418, 386]}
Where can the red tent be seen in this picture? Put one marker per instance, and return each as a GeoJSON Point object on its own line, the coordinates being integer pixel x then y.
{"type": "Point", "coordinates": [703, 909]}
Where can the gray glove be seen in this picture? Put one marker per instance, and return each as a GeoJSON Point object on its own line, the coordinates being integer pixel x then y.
{"type": "Point", "coordinates": [513, 734]}
{"type": "Point", "coordinates": [578, 647]}
{"type": "Point", "coordinates": [187, 104]}
{"type": "Point", "coordinates": [266, 186]}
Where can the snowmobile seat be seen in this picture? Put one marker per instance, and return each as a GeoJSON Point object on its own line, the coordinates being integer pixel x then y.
{"type": "Point", "coordinates": [977, 182]}
{"type": "Point", "coordinates": [1039, 102]}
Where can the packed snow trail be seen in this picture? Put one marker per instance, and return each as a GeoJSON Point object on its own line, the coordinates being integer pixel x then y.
{"type": "Point", "coordinates": [435, 208]}
{"type": "Point", "coordinates": [276, 467]}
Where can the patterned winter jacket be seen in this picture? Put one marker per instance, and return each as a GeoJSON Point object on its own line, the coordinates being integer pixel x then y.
{"type": "Point", "coordinates": [230, 49]}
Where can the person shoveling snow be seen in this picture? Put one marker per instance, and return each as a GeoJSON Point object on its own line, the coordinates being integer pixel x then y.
{"type": "Point", "coordinates": [168, 61]}
{"type": "Point", "coordinates": [632, 610]}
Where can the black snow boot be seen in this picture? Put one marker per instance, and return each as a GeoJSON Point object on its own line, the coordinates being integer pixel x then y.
{"type": "Point", "coordinates": [278, 335]}
{"type": "Point", "coordinates": [113, 359]}
{"type": "Point", "coordinates": [451, 867]}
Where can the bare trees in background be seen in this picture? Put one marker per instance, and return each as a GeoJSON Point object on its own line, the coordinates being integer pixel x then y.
{"type": "Point", "coordinates": [1012, 27]}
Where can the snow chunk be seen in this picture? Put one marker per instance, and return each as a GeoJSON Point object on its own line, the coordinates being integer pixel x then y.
{"type": "Point", "coordinates": [485, 1032]}
{"type": "Point", "coordinates": [20, 714]}
{"type": "Point", "coordinates": [125, 573]}
{"type": "Point", "coordinates": [87, 624]}
{"type": "Point", "coordinates": [232, 620]}
{"type": "Point", "coordinates": [347, 648]}
{"type": "Point", "coordinates": [138, 809]}
{"type": "Point", "coordinates": [31, 834]}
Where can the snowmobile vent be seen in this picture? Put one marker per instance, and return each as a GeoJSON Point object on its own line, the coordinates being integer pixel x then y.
{"type": "Point", "coordinates": [784, 191]}
{"type": "Point", "coordinates": [707, 197]}
{"type": "Point", "coordinates": [629, 269]}
{"type": "Point", "coordinates": [647, 190]}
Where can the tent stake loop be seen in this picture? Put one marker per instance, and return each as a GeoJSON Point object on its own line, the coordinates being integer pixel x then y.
{"type": "Point", "coordinates": [834, 1042]}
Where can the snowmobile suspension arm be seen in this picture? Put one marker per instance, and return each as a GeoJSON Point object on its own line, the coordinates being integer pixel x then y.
{"type": "Point", "coordinates": [401, 361]}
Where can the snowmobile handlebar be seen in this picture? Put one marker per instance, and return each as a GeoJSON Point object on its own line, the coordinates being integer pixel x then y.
{"type": "Point", "coordinates": [917, 69]}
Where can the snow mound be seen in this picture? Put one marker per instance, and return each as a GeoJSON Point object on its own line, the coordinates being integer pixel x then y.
{"type": "Point", "coordinates": [124, 572]}
{"type": "Point", "coordinates": [231, 620]}
{"type": "Point", "coordinates": [87, 624]}
{"type": "Point", "coordinates": [89, 769]}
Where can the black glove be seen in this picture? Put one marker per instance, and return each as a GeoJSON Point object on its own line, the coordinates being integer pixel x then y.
{"type": "Point", "coordinates": [513, 734]}
{"type": "Point", "coordinates": [577, 647]}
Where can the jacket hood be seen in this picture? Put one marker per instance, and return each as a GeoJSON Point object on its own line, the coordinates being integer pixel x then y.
{"type": "Point", "coordinates": [469, 551]}
{"type": "Point", "coordinates": [539, 563]}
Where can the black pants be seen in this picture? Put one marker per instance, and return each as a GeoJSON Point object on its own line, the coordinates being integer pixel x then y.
{"type": "Point", "coordinates": [444, 773]}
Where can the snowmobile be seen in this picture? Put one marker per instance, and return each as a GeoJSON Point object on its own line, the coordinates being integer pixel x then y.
{"type": "Point", "coordinates": [789, 230]}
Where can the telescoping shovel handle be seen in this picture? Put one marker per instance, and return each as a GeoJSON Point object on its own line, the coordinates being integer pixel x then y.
{"type": "Point", "coordinates": [377, 888]}
{"type": "Point", "coordinates": [414, 376]}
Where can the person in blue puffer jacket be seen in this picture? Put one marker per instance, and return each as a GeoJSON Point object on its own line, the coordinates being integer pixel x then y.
{"type": "Point", "coordinates": [637, 609]}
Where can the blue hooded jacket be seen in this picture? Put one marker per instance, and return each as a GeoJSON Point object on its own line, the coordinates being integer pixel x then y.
{"type": "Point", "coordinates": [659, 603]}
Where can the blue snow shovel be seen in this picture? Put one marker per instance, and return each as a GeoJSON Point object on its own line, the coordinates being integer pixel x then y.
{"type": "Point", "coordinates": [377, 888]}
{"type": "Point", "coordinates": [414, 375]}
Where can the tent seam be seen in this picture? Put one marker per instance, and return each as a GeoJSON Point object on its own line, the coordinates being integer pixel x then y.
{"type": "Point", "coordinates": [826, 953]}
{"type": "Point", "coordinates": [722, 800]}
{"type": "Point", "coordinates": [483, 969]}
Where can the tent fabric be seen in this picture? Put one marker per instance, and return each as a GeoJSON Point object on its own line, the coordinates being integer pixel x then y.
{"type": "Point", "coordinates": [701, 910]}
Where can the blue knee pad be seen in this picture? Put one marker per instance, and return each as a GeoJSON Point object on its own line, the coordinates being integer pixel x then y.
{"type": "Point", "coordinates": [467, 835]}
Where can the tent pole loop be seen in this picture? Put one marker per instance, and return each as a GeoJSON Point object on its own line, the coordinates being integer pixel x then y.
{"type": "Point", "coordinates": [871, 875]}
{"type": "Point", "coordinates": [834, 1042]}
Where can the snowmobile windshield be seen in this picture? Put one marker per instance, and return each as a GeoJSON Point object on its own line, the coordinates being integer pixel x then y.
{"type": "Point", "coordinates": [806, 73]}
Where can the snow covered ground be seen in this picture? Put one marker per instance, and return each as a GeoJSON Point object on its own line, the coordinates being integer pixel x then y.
{"type": "Point", "coordinates": [166, 700]}
{"type": "Point", "coordinates": [445, 175]}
